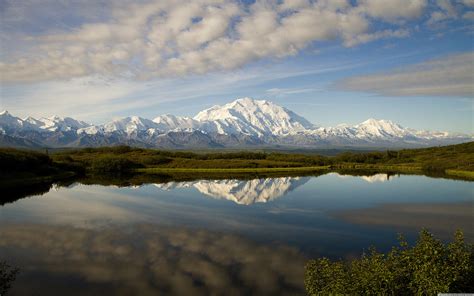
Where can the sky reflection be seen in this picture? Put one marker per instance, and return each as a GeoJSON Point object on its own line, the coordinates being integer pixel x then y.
{"type": "Point", "coordinates": [144, 259]}
{"type": "Point", "coordinates": [316, 215]}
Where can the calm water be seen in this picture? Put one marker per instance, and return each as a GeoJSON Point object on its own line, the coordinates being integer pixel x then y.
{"type": "Point", "coordinates": [219, 237]}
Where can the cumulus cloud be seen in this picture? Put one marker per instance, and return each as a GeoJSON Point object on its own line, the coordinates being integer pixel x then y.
{"type": "Point", "coordinates": [449, 10]}
{"type": "Point", "coordinates": [446, 76]}
{"type": "Point", "coordinates": [393, 10]}
{"type": "Point", "coordinates": [469, 3]}
{"type": "Point", "coordinates": [168, 38]}
{"type": "Point", "coordinates": [469, 15]}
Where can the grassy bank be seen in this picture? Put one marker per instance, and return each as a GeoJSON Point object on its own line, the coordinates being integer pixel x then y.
{"type": "Point", "coordinates": [455, 161]}
{"type": "Point", "coordinates": [460, 173]}
{"type": "Point", "coordinates": [161, 170]}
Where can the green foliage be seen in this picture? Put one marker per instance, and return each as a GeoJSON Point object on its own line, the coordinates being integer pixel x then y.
{"type": "Point", "coordinates": [428, 268]}
{"type": "Point", "coordinates": [113, 164]}
{"type": "Point", "coordinates": [456, 159]}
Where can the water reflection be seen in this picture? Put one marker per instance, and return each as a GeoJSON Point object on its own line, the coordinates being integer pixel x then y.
{"type": "Point", "coordinates": [241, 191]}
{"type": "Point", "coordinates": [441, 219]}
{"type": "Point", "coordinates": [145, 259]}
{"type": "Point", "coordinates": [195, 237]}
{"type": "Point", "coordinates": [244, 192]}
{"type": "Point", "coordinates": [379, 178]}
{"type": "Point", "coordinates": [370, 178]}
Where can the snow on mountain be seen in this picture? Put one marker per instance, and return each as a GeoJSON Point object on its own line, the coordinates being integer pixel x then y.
{"type": "Point", "coordinates": [91, 130]}
{"type": "Point", "coordinates": [33, 121]}
{"type": "Point", "coordinates": [243, 192]}
{"type": "Point", "coordinates": [56, 123]}
{"type": "Point", "coordinates": [252, 117]}
{"type": "Point", "coordinates": [243, 122]}
{"type": "Point", "coordinates": [10, 123]}
{"type": "Point", "coordinates": [373, 128]}
{"type": "Point", "coordinates": [7, 121]}
{"type": "Point", "coordinates": [129, 125]}
{"type": "Point", "coordinates": [170, 122]}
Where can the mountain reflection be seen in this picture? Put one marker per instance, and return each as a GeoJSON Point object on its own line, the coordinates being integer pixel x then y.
{"type": "Point", "coordinates": [244, 192]}
{"type": "Point", "coordinates": [372, 178]}
{"type": "Point", "coordinates": [146, 260]}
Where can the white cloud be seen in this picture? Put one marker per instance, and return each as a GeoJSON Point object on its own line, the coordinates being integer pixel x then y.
{"type": "Point", "coordinates": [367, 37]}
{"type": "Point", "coordinates": [393, 10]}
{"type": "Point", "coordinates": [94, 98]}
{"type": "Point", "coordinates": [469, 15]}
{"type": "Point", "coordinates": [85, 97]}
{"type": "Point", "coordinates": [469, 3]}
{"type": "Point", "coordinates": [150, 39]}
{"type": "Point", "coordinates": [276, 92]}
{"type": "Point", "coordinates": [448, 10]}
{"type": "Point", "coordinates": [447, 76]}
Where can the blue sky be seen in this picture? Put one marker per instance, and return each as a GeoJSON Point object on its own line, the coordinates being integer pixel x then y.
{"type": "Point", "coordinates": [410, 61]}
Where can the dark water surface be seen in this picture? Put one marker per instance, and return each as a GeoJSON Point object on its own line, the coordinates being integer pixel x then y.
{"type": "Point", "coordinates": [216, 237]}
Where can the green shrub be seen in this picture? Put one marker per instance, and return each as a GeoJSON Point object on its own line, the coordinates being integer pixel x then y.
{"type": "Point", "coordinates": [154, 160]}
{"type": "Point", "coordinates": [428, 268]}
{"type": "Point", "coordinates": [112, 164]}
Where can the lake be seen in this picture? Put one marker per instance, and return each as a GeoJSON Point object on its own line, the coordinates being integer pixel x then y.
{"type": "Point", "coordinates": [217, 237]}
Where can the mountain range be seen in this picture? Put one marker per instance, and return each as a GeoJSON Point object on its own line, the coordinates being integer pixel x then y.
{"type": "Point", "coordinates": [242, 123]}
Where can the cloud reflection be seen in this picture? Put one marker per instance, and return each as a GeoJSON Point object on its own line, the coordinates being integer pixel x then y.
{"type": "Point", "coordinates": [378, 178]}
{"type": "Point", "coordinates": [374, 178]}
{"type": "Point", "coordinates": [147, 260]}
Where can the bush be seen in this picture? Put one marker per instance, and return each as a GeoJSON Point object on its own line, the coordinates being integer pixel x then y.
{"type": "Point", "coordinates": [427, 268]}
{"type": "Point", "coordinates": [154, 160]}
{"type": "Point", "coordinates": [12, 160]}
{"type": "Point", "coordinates": [112, 164]}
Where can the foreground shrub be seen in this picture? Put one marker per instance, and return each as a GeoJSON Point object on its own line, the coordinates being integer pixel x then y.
{"type": "Point", "coordinates": [428, 268]}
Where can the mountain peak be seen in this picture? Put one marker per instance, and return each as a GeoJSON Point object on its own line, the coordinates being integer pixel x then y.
{"type": "Point", "coordinates": [370, 121]}
{"type": "Point", "coordinates": [249, 101]}
{"type": "Point", "coordinates": [379, 122]}
{"type": "Point", "coordinates": [380, 128]}
{"type": "Point", "coordinates": [253, 117]}
{"type": "Point", "coordinates": [4, 113]}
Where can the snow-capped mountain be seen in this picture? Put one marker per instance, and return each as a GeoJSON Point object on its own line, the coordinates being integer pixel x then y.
{"type": "Point", "coordinates": [10, 123]}
{"type": "Point", "coordinates": [169, 122]}
{"type": "Point", "coordinates": [242, 123]}
{"type": "Point", "coordinates": [243, 192]}
{"type": "Point", "coordinates": [253, 118]}
{"type": "Point", "coordinates": [56, 123]}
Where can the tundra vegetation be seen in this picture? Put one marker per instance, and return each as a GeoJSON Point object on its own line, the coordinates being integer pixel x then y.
{"type": "Point", "coordinates": [454, 160]}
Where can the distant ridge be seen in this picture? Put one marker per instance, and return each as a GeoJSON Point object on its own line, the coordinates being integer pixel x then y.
{"type": "Point", "coordinates": [245, 122]}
